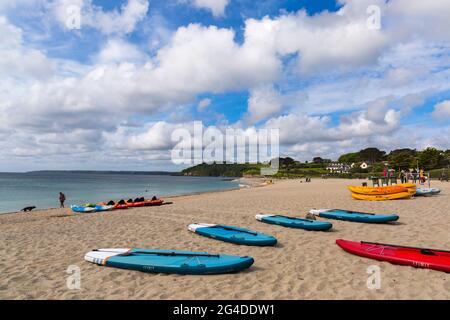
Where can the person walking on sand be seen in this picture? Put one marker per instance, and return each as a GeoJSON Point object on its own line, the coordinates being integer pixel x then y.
{"type": "Point", "coordinates": [62, 199]}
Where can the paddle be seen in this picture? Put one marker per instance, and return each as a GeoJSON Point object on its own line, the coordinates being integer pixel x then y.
{"type": "Point", "coordinates": [405, 247]}
{"type": "Point", "coordinates": [293, 218]}
{"type": "Point", "coordinates": [169, 254]}
{"type": "Point", "coordinates": [354, 212]}
{"type": "Point", "coordinates": [236, 229]}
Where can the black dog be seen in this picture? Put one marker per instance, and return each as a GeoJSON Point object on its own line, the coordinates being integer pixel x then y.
{"type": "Point", "coordinates": [28, 209]}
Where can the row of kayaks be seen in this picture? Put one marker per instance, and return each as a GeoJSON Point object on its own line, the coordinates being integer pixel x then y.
{"type": "Point", "coordinates": [120, 205]}
{"type": "Point", "coordinates": [396, 192]}
{"type": "Point", "coordinates": [197, 263]}
{"type": "Point", "coordinates": [186, 262]}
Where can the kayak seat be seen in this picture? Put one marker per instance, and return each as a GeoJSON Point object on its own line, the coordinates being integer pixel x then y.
{"type": "Point", "coordinates": [427, 252]}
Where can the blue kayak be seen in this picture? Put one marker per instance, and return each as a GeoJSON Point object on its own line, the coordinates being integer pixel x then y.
{"type": "Point", "coordinates": [168, 261]}
{"type": "Point", "coordinates": [100, 208]}
{"type": "Point", "coordinates": [354, 216]}
{"type": "Point", "coordinates": [291, 222]}
{"type": "Point", "coordinates": [81, 209]}
{"type": "Point", "coordinates": [233, 234]}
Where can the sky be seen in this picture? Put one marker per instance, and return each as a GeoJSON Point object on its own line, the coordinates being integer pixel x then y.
{"type": "Point", "coordinates": [102, 85]}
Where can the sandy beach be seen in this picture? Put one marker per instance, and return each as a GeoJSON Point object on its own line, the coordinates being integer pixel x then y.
{"type": "Point", "coordinates": [37, 248]}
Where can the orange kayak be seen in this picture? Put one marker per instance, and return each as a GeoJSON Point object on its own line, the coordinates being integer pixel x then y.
{"type": "Point", "coordinates": [377, 190]}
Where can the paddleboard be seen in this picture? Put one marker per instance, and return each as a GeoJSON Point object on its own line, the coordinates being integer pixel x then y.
{"type": "Point", "coordinates": [232, 234]}
{"type": "Point", "coordinates": [292, 222]}
{"type": "Point", "coordinates": [354, 216]}
{"type": "Point", "coordinates": [408, 256]}
{"type": "Point", "coordinates": [168, 261]}
{"type": "Point", "coordinates": [426, 192]}
{"type": "Point", "coordinates": [80, 209]}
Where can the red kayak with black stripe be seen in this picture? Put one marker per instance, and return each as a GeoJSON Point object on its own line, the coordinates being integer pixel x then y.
{"type": "Point", "coordinates": [409, 256]}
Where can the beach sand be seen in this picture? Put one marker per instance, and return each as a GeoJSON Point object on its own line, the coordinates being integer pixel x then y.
{"type": "Point", "coordinates": [37, 248]}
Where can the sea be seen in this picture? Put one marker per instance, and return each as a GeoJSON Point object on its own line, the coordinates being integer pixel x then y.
{"type": "Point", "coordinates": [41, 189]}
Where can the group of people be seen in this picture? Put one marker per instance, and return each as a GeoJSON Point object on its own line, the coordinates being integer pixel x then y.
{"type": "Point", "coordinates": [413, 175]}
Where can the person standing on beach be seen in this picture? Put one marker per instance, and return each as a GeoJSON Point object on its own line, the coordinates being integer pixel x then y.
{"type": "Point", "coordinates": [402, 176]}
{"type": "Point", "coordinates": [414, 174]}
{"type": "Point", "coordinates": [62, 199]}
{"type": "Point", "coordinates": [422, 176]}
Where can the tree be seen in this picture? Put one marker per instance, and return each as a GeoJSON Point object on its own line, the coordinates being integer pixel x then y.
{"type": "Point", "coordinates": [318, 160]}
{"type": "Point", "coordinates": [401, 159]}
{"type": "Point", "coordinates": [412, 152]}
{"type": "Point", "coordinates": [349, 158]}
{"type": "Point", "coordinates": [430, 158]}
{"type": "Point", "coordinates": [371, 155]}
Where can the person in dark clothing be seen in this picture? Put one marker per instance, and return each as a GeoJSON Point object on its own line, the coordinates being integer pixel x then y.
{"type": "Point", "coordinates": [62, 199]}
{"type": "Point", "coordinates": [414, 174]}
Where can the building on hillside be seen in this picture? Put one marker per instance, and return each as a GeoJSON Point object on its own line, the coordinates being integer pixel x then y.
{"type": "Point", "coordinates": [364, 165]}
{"type": "Point", "coordinates": [337, 167]}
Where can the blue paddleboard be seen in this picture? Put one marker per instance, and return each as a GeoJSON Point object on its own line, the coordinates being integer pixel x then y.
{"type": "Point", "coordinates": [232, 234]}
{"type": "Point", "coordinates": [353, 216]}
{"type": "Point", "coordinates": [426, 192]}
{"type": "Point", "coordinates": [168, 261]}
{"type": "Point", "coordinates": [292, 222]}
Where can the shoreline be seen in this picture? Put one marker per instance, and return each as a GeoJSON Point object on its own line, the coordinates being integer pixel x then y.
{"type": "Point", "coordinates": [162, 196]}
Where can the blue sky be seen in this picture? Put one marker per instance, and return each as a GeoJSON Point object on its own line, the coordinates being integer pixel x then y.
{"type": "Point", "coordinates": [109, 94]}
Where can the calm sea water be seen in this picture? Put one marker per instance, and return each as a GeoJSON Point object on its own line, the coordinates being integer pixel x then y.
{"type": "Point", "coordinates": [41, 189]}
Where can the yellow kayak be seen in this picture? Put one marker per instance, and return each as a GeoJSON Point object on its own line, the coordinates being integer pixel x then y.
{"type": "Point", "coordinates": [394, 196]}
{"type": "Point", "coordinates": [410, 186]}
{"type": "Point", "coordinates": [377, 190]}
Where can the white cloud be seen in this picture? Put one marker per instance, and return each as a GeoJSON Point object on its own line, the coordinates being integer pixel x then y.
{"type": "Point", "coordinates": [336, 64]}
{"type": "Point", "coordinates": [203, 104]}
{"type": "Point", "coordinates": [263, 102]}
{"type": "Point", "coordinates": [119, 51]}
{"type": "Point", "coordinates": [217, 7]}
{"type": "Point", "coordinates": [442, 111]}
{"type": "Point", "coordinates": [17, 60]}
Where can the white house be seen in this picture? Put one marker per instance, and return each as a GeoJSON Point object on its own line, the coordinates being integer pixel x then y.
{"type": "Point", "coordinates": [336, 167]}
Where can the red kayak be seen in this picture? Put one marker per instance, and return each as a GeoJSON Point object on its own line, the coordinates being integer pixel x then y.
{"type": "Point", "coordinates": [408, 256]}
{"type": "Point", "coordinates": [157, 202]}
{"type": "Point", "coordinates": [121, 206]}
{"type": "Point", "coordinates": [135, 204]}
